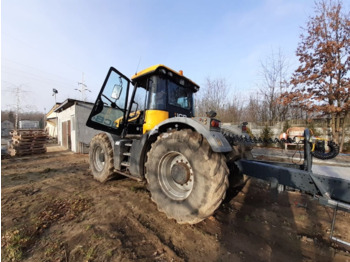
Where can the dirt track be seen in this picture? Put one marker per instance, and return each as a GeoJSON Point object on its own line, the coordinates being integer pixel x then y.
{"type": "Point", "coordinates": [53, 210]}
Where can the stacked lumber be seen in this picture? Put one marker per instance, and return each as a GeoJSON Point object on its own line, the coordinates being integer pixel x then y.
{"type": "Point", "coordinates": [28, 142]}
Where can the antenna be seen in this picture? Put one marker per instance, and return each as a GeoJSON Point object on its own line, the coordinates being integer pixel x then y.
{"type": "Point", "coordinates": [137, 68]}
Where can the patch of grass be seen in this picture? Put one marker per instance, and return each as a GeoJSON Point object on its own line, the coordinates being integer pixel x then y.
{"type": "Point", "coordinates": [53, 249]}
{"type": "Point", "coordinates": [14, 243]}
{"type": "Point", "coordinates": [109, 253]}
{"type": "Point", "coordinates": [96, 236]}
{"type": "Point", "coordinates": [90, 254]}
{"type": "Point", "coordinates": [301, 217]}
{"type": "Point", "coordinates": [59, 208]}
{"type": "Point", "coordinates": [88, 227]}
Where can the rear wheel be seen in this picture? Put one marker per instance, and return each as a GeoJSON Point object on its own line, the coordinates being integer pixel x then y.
{"type": "Point", "coordinates": [101, 158]}
{"type": "Point", "coordinates": [187, 180]}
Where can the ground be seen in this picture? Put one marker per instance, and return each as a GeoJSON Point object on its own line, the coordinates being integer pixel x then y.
{"type": "Point", "coordinates": [53, 210]}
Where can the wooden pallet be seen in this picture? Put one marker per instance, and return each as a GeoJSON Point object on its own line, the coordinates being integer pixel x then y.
{"type": "Point", "coordinates": [28, 142]}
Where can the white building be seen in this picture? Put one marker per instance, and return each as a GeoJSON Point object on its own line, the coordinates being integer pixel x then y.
{"type": "Point", "coordinates": [28, 124]}
{"type": "Point", "coordinates": [72, 132]}
{"type": "Point", "coordinates": [51, 121]}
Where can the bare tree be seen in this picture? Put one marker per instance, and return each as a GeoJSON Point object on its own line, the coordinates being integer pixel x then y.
{"type": "Point", "coordinates": [274, 71]}
{"type": "Point", "coordinates": [254, 110]}
{"type": "Point", "coordinates": [214, 95]}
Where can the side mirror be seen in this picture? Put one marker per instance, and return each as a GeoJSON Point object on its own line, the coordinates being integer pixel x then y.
{"type": "Point", "coordinates": [117, 90]}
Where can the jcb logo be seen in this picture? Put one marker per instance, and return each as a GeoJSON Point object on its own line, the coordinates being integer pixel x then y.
{"type": "Point", "coordinates": [180, 115]}
{"type": "Point", "coordinates": [102, 120]}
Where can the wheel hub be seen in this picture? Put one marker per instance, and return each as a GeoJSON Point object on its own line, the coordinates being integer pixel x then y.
{"type": "Point", "coordinates": [175, 176]}
{"type": "Point", "coordinates": [180, 172]}
{"type": "Point", "coordinates": [99, 158]}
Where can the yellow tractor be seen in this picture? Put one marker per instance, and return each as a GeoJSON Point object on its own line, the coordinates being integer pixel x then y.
{"type": "Point", "coordinates": [151, 132]}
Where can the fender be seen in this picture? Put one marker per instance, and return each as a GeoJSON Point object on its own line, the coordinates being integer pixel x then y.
{"type": "Point", "coordinates": [216, 140]}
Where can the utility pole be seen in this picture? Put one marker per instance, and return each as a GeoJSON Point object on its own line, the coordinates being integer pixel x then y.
{"type": "Point", "coordinates": [17, 94]}
{"type": "Point", "coordinates": [83, 88]}
{"type": "Point", "coordinates": [17, 91]}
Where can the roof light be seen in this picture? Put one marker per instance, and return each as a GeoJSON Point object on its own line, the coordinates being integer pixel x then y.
{"type": "Point", "coordinates": [181, 73]}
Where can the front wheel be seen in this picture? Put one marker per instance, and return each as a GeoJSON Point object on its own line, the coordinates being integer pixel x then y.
{"type": "Point", "coordinates": [187, 180]}
{"type": "Point", "coordinates": [101, 158]}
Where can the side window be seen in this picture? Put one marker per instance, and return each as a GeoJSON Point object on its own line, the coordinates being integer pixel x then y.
{"type": "Point", "coordinates": [183, 102]}
{"type": "Point", "coordinates": [158, 93]}
{"type": "Point", "coordinates": [179, 96]}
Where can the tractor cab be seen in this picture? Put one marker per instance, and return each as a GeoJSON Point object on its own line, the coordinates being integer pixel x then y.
{"type": "Point", "coordinates": [158, 93]}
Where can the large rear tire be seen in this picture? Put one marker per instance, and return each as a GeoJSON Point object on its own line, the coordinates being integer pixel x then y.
{"type": "Point", "coordinates": [187, 180]}
{"type": "Point", "coordinates": [101, 158]}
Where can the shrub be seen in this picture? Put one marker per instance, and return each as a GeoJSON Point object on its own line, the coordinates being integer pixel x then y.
{"type": "Point", "coordinates": [266, 134]}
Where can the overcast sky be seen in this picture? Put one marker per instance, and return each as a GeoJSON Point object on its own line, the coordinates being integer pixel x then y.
{"type": "Point", "coordinates": [48, 44]}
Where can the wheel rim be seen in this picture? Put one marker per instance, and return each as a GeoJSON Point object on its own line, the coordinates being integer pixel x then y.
{"type": "Point", "coordinates": [99, 158]}
{"type": "Point", "coordinates": [175, 176]}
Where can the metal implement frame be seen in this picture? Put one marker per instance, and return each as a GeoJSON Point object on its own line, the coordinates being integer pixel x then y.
{"type": "Point", "coordinates": [331, 191]}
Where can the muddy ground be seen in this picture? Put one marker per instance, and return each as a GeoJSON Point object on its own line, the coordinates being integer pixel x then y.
{"type": "Point", "coordinates": [53, 210]}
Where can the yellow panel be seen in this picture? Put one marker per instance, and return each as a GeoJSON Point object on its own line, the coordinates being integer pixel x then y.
{"type": "Point", "coordinates": [153, 118]}
{"type": "Point", "coordinates": [133, 116]}
{"type": "Point", "coordinates": [152, 69]}
{"type": "Point", "coordinates": [146, 71]}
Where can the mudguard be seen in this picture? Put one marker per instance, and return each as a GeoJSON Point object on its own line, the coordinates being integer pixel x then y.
{"type": "Point", "coordinates": [216, 140]}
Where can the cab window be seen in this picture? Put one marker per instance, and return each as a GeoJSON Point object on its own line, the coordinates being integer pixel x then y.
{"type": "Point", "coordinates": [179, 96]}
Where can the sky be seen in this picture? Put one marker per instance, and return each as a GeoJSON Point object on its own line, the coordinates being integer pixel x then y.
{"type": "Point", "coordinates": [54, 44]}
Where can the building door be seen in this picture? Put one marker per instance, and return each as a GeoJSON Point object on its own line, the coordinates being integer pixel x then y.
{"type": "Point", "coordinates": [66, 135]}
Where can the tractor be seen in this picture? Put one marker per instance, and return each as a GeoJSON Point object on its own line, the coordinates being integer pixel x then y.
{"type": "Point", "coordinates": [150, 132]}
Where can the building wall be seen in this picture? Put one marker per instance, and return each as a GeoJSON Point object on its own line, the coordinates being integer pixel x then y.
{"type": "Point", "coordinates": [52, 123]}
{"type": "Point", "coordinates": [67, 115]}
{"type": "Point", "coordinates": [51, 127]}
{"type": "Point", "coordinates": [81, 135]}
{"type": "Point", "coordinates": [84, 134]}
{"type": "Point", "coordinates": [28, 124]}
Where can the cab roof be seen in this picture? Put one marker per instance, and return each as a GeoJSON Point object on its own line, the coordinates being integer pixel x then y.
{"type": "Point", "coordinates": [157, 68]}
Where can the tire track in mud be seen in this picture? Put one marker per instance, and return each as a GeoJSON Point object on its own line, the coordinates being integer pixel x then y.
{"type": "Point", "coordinates": [188, 242]}
{"type": "Point", "coordinates": [138, 237]}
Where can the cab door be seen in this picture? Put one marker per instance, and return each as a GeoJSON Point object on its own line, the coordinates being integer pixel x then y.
{"type": "Point", "coordinates": [111, 104]}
